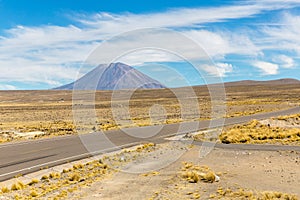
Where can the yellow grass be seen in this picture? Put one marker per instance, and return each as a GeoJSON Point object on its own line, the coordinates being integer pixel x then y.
{"type": "Point", "coordinates": [194, 173]}
{"type": "Point", "coordinates": [286, 117]}
{"type": "Point", "coordinates": [34, 193]}
{"type": "Point", "coordinates": [255, 132]}
{"type": "Point", "coordinates": [33, 181]}
{"type": "Point", "coordinates": [4, 190]}
{"type": "Point", "coordinates": [17, 186]}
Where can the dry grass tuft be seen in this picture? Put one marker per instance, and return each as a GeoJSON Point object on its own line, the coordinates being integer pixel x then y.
{"type": "Point", "coordinates": [255, 132]}
{"type": "Point", "coordinates": [208, 177]}
{"type": "Point", "coordinates": [17, 186]}
{"type": "Point", "coordinates": [78, 166]}
{"type": "Point", "coordinates": [4, 190]}
{"type": "Point", "coordinates": [193, 173]}
{"type": "Point", "coordinates": [191, 176]}
{"type": "Point", "coordinates": [33, 181]}
{"type": "Point", "coordinates": [147, 146]}
{"type": "Point", "coordinates": [74, 177]}
{"type": "Point", "coordinates": [54, 175]}
{"type": "Point", "coordinates": [154, 173]}
{"type": "Point", "coordinates": [34, 193]}
{"type": "Point", "coordinates": [45, 177]}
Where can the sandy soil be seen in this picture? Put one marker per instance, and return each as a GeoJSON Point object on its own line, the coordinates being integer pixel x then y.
{"type": "Point", "coordinates": [250, 170]}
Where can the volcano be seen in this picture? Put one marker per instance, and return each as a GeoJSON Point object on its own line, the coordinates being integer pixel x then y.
{"type": "Point", "coordinates": [115, 76]}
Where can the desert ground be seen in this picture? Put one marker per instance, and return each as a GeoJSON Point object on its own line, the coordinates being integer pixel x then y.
{"type": "Point", "coordinates": [173, 169]}
{"type": "Point", "coordinates": [36, 114]}
{"type": "Point", "coordinates": [144, 172]}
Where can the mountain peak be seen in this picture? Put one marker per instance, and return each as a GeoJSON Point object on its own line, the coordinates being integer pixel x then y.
{"type": "Point", "coordinates": [113, 76]}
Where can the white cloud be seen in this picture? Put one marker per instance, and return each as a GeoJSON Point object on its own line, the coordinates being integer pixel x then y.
{"type": "Point", "coordinates": [285, 35]}
{"type": "Point", "coordinates": [23, 70]}
{"type": "Point", "coordinates": [267, 68]}
{"type": "Point", "coordinates": [183, 17]}
{"type": "Point", "coordinates": [285, 61]}
{"type": "Point", "coordinates": [217, 44]}
{"type": "Point", "coordinates": [162, 46]}
{"type": "Point", "coordinates": [7, 87]}
{"type": "Point", "coordinates": [219, 69]}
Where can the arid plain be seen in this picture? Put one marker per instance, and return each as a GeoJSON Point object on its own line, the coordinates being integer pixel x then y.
{"type": "Point", "coordinates": [222, 174]}
{"type": "Point", "coordinates": [49, 113]}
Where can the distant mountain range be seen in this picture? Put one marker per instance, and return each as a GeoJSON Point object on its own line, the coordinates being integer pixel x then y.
{"type": "Point", "coordinates": [114, 76]}
{"type": "Point", "coordinates": [286, 81]}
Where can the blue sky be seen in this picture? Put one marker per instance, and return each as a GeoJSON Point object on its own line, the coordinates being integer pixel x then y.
{"type": "Point", "coordinates": [44, 44]}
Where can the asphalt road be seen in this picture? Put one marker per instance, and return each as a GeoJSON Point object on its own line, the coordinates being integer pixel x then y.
{"type": "Point", "coordinates": [26, 157]}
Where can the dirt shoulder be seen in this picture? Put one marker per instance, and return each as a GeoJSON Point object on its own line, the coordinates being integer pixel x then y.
{"type": "Point", "coordinates": [252, 171]}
